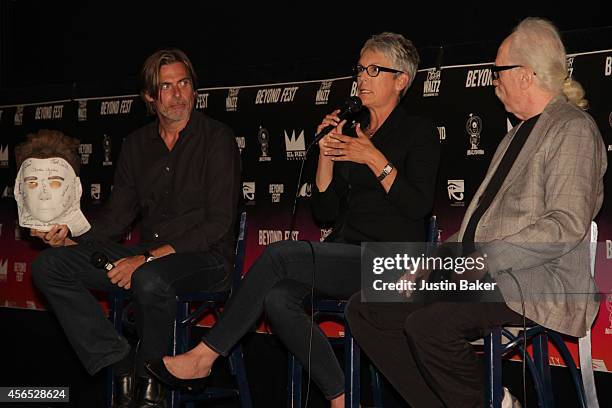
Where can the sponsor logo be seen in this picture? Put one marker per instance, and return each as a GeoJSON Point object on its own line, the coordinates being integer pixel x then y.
{"type": "Point", "coordinates": [570, 66]}
{"type": "Point", "coordinates": [305, 190]}
{"type": "Point", "coordinates": [116, 107]}
{"type": "Point", "coordinates": [49, 112]}
{"type": "Point", "coordinates": [354, 89]}
{"type": "Point", "coordinates": [95, 191]}
{"type": "Point", "coordinates": [231, 101]}
{"type": "Point", "coordinates": [442, 133]}
{"type": "Point", "coordinates": [107, 147]}
{"type": "Point", "coordinates": [431, 86]}
{"type": "Point", "coordinates": [267, 237]}
{"type": "Point", "coordinates": [325, 233]}
{"type": "Point", "coordinates": [456, 190]}
{"type": "Point", "coordinates": [295, 146]}
{"type": "Point", "coordinates": [30, 304]}
{"type": "Point", "coordinates": [8, 192]}
{"type": "Point", "coordinates": [3, 270]}
{"type": "Point", "coordinates": [608, 249]}
{"type": "Point", "coordinates": [473, 127]}
{"type": "Point", "coordinates": [478, 78]}
{"type": "Point", "coordinates": [609, 308]}
{"type": "Point", "coordinates": [4, 156]}
{"type": "Point", "coordinates": [263, 136]}
{"type": "Point", "coordinates": [608, 67]}
{"type": "Point", "coordinates": [202, 101]}
{"type": "Point", "coordinates": [85, 150]}
{"type": "Point", "coordinates": [241, 142]}
{"type": "Point", "coordinates": [20, 269]}
{"type": "Point", "coordinates": [82, 111]}
{"type": "Point", "coordinates": [248, 191]}
{"type": "Point", "coordinates": [275, 191]}
{"type": "Point", "coordinates": [323, 93]}
{"type": "Point", "coordinates": [275, 95]}
{"type": "Point", "coordinates": [19, 116]}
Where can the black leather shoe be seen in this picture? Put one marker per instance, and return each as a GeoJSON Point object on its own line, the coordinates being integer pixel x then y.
{"type": "Point", "coordinates": [124, 390]}
{"type": "Point", "coordinates": [159, 370]}
{"type": "Point", "coordinates": [149, 393]}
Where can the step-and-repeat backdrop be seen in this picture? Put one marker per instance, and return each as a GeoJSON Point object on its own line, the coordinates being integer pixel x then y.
{"type": "Point", "coordinates": [273, 124]}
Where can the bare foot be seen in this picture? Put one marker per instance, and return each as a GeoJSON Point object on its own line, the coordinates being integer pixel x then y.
{"type": "Point", "coordinates": [196, 363]}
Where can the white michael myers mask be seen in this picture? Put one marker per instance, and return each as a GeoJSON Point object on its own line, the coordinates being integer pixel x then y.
{"type": "Point", "coordinates": [48, 192]}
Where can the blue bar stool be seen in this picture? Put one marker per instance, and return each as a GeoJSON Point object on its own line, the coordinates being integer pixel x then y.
{"type": "Point", "coordinates": [186, 317]}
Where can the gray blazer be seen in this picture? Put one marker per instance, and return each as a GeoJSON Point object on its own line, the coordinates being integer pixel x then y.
{"type": "Point", "coordinates": [537, 227]}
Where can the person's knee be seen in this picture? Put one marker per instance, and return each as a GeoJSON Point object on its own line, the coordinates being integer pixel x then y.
{"type": "Point", "coordinates": [148, 287]}
{"type": "Point", "coordinates": [426, 322]}
{"type": "Point", "coordinates": [352, 311]}
{"type": "Point", "coordinates": [280, 299]}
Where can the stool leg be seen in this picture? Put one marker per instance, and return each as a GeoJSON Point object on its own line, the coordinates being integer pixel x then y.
{"type": "Point", "coordinates": [236, 361]}
{"type": "Point", "coordinates": [376, 387]}
{"type": "Point", "coordinates": [351, 370]}
{"type": "Point", "coordinates": [294, 382]}
{"type": "Point", "coordinates": [540, 358]}
{"type": "Point", "coordinates": [493, 360]}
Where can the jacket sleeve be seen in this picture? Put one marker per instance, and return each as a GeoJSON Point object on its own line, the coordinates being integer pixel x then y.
{"type": "Point", "coordinates": [325, 205]}
{"type": "Point", "coordinates": [121, 208]}
{"type": "Point", "coordinates": [413, 189]}
{"type": "Point", "coordinates": [574, 164]}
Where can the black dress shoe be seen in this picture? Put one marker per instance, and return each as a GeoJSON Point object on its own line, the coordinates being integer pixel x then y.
{"type": "Point", "coordinates": [124, 390]}
{"type": "Point", "coordinates": [149, 394]}
{"type": "Point", "coordinates": [159, 370]}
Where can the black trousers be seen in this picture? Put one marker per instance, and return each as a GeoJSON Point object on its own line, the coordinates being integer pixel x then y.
{"type": "Point", "coordinates": [277, 283]}
{"type": "Point", "coordinates": [65, 275]}
{"type": "Point", "coordinates": [424, 350]}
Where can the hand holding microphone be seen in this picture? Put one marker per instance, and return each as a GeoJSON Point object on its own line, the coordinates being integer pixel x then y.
{"type": "Point", "coordinates": [119, 273]}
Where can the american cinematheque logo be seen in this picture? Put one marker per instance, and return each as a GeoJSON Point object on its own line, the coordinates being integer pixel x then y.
{"type": "Point", "coordinates": [473, 127]}
{"type": "Point", "coordinates": [263, 137]}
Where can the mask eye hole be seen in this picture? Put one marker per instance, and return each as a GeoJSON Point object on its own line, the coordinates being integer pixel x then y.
{"type": "Point", "coordinates": [55, 184]}
{"type": "Point", "coordinates": [32, 184]}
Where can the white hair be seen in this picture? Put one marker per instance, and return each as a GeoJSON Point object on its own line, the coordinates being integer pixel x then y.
{"type": "Point", "coordinates": [536, 43]}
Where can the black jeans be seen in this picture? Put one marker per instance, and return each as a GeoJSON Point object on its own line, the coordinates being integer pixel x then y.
{"type": "Point", "coordinates": [65, 274]}
{"type": "Point", "coordinates": [278, 282]}
{"type": "Point", "coordinates": [424, 350]}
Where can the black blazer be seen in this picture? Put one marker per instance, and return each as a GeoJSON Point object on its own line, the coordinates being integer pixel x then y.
{"type": "Point", "coordinates": [356, 201]}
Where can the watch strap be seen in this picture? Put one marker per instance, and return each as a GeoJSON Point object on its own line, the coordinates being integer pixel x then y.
{"type": "Point", "coordinates": [385, 171]}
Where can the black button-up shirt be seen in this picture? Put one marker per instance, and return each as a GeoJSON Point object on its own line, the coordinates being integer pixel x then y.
{"type": "Point", "coordinates": [187, 196]}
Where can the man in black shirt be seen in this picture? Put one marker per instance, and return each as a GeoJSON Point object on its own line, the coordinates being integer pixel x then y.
{"type": "Point", "coordinates": [168, 173]}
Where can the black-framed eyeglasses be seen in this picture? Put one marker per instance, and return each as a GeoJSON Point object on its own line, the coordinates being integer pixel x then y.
{"type": "Point", "coordinates": [373, 70]}
{"type": "Point", "coordinates": [496, 69]}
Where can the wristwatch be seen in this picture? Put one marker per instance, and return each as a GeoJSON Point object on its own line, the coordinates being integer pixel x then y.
{"type": "Point", "coordinates": [148, 256]}
{"type": "Point", "coordinates": [385, 171]}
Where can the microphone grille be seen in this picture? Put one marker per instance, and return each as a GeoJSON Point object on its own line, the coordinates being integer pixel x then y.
{"type": "Point", "coordinates": [354, 104]}
{"type": "Point", "coordinates": [99, 260]}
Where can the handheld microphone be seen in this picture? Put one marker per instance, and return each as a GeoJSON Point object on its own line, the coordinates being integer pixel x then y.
{"type": "Point", "coordinates": [351, 105]}
{"type": "Point", "coordinates": [99, 260]}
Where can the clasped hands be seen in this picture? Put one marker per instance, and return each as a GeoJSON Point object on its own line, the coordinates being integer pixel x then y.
{"type": "Point", "coordinates": [339, 147]}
